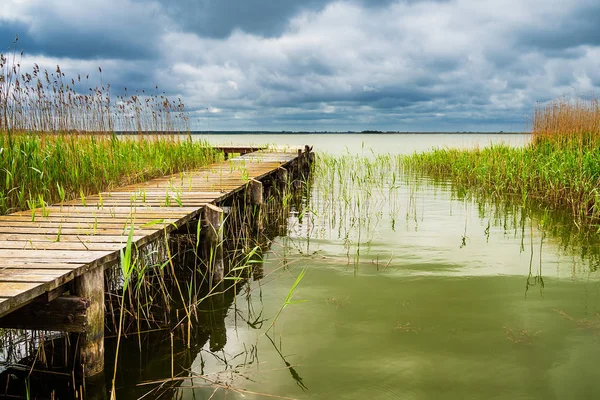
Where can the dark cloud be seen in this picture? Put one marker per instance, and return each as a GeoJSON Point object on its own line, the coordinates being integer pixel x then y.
{"type": "Point", "coordinates": [267, 18]}
{"type": "Point", "coordinates": [9, 30]}
{"type": "Point", "coordinates": [82, 45]}
{"type": "Point", "coordinates": [217, 19]}
{"type": "Point", "coordinates": [323, 64]}
{"type": "Point", "coordinates": [86, 30]}
{"type": "Point", "coordinates": [569, 29]}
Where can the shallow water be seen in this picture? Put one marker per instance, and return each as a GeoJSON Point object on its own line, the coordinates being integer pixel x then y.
{"type": "Point", "coordinates": [409, 292]}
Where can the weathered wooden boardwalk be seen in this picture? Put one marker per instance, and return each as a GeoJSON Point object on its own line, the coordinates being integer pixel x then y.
{"type": "Point", "coordinates": [43, 250]}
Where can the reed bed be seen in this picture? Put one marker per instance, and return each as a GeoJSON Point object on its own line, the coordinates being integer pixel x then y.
{"type": "Point", "coordinates": [567, 123]}
{"type": "Point", "coordinates": [560, 168]}
{"type": "Point", "coordinates": [58, 136]}
{"type": "Point", "coordinates": [48, 101]}
{"type": "Point", "coordinates": [38, 169]}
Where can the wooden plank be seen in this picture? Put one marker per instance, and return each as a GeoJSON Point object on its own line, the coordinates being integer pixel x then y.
{"type": "Point", "coordinates": [64, 314]}
{"type": "Point", "coordinates": [115, 210]}
{"type": "Point", "coordinates": [24, 237]}
{"type": "Point", "coordinates": [110, 211]}
{"type": "Point", "coordinates": [122, 219]}
{"type": "Point", "coordinates": [34, 265]}
{"type": "Point", "coordinates": [93, 213]}
{"type": "Point", "coordinates": [88, 225]}
{"type": "Point", "coordinates": [12, 289]}
{"type": "Point", "coordinates": [31, 275]}
{"type": "Point", "coordinates": [74, 231]}
{"type": "Point", "coordinates": [185, 189]}
{"type": "Point", "coordinates": [156, 204]}
{"type": "Point", "coordinates": [29, 245]}
{"type": "Point", "coordinates": [83, 255]}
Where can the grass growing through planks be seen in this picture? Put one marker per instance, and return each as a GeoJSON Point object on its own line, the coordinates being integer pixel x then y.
{"type": "Point", "coordinates": [559, 168]}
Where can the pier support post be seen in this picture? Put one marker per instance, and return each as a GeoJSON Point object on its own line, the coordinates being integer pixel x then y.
{"type": "Point", "coordinates": [90, 286]}
{"type": "Point", "coordinates": [300, 163]}
{"type": "Point", "coordinates": [255, 191]}
{"type": "Point", "coordinates": [282, 179]}
{"type": "Point", "coordinates": [282, 209]}
{"type": "Point", "coordinates": [255, 198]}
{"type": "Point", "coordinates": [214, 241]}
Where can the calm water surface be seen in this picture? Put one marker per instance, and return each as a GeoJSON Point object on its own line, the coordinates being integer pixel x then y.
{"type": "Point", "coordinates": [409, 293]}
{"type": "Point", "coordinates": [370, 143]}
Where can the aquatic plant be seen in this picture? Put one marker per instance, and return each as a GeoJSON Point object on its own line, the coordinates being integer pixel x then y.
{"type": "Point", "coordinates": [48, 101]}
{"type": "Point", "coordinates": [558, 176]}
{"type": "Point", "coordinates": [58, 136]}
{"type": "Point", "coordinates": [567, 122]}
{"type": "Point", "coordinates": [40, 169]}
{"type": "Point", "coordinates": [560, 167]}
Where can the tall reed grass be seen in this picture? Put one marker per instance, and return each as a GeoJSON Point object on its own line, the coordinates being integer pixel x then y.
{"type": "Point", "coordinates": [38, 168]}
{"type": "Point", "coordinates": [559, 168]}
{"type": "Point", "coordinates": [58, 136]}
{"type": "Point", "coordinates": [48, 101]}
{"type": "Point", "coordinates": [567, 122]}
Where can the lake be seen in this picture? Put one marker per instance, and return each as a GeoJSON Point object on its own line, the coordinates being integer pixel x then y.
{"type": "Point", "coordinates": [410, 291]}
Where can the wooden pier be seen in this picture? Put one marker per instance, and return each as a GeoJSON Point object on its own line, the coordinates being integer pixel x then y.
{"type": "Point", "coordinates": [52, 259]}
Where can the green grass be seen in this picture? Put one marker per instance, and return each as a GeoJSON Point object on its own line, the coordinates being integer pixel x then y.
{"type": "Point", "coordinates": [560, 168]}
{"type": "Point", "coordinates": [58, 142]}
{"type": "Point", "coordinates": [38, 169]}
{"type": "Point", "coordinates": [557, 175]}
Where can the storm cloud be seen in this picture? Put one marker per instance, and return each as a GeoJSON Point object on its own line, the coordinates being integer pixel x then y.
{"type": "Point", "coordinates": [325, 65]}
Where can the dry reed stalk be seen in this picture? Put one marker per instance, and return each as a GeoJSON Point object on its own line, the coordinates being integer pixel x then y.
{"type": "Point", "coordinates": [567, 122]}
{"type": "Point", "coordinates": [42, 101]}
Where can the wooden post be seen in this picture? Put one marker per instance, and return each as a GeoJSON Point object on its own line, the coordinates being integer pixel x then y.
{"type": "Point", "coordinates": [282, 178]}
{"type": "Point", "coordinates": [65, 314]}
{"type": "Point", "coordinates": [310, 156]}
{"type": "Point", "coordinates": [282, 210]}
{"type": "Point", "coordinates": [90, 286]}
{"type": "Point", "coordinates": [214, 241]}
{"type": "Point", "coordinates": [300, 162]}
{"type": "Point", "coordinates": [256, 192]}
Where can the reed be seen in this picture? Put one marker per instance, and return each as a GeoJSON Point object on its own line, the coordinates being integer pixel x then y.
{"type": "Point", "coordinates": [567, 123]}
{"type": "Point", "coordinates": [39, 169]}
{"type": "Point", "coordinates": [48, 101]}
{"type": "Point", "coordinates": [58, 136]}
{"type": "Point", "coordinates": [560, 168]}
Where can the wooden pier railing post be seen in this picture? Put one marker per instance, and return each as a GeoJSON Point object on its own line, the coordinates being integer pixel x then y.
{"type": "Point", "coordinates": [90, 286]}
{"type": "Point", "coordinates": [214, 241]}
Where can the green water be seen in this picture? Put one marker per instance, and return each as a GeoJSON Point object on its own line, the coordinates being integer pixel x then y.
{"type": "Point", "coordinates": [420, 295]}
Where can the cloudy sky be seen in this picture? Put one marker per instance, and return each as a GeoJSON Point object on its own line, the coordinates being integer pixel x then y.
{"type": "Point", "coordinates": [325, 65]}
